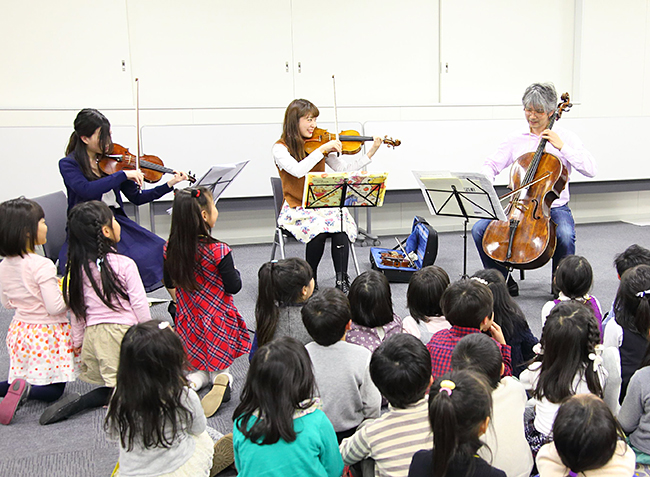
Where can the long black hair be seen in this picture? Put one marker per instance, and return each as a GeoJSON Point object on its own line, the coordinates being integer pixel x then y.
{"type": "Point", "coordinates": [85, 124]}
{"type": "Point", "coordinates": [279, 382]}
{"type": "Point", "coordinates": [370, 300]}
{"type": "Point", "coordinates": [632, 303]}
{"type": "Point", "coordinates": [87, 250]}
{"type": "Point", "coordinates": [291, 136]}
{"type": "Point", "coordinates": [569, 336]}
{"type": "Point", "coordinates": [425, 289]}
{"type": "Point", "coordinates": [146, 406]}
{"type": "Point", "coordinates": [188, 230]}
{"type": "Point", "coordinates": [19, 220]}
{"type": "Point", "coordinates": [585, 433]}
{"type": "Point", "coordinates": [507, 313]}
{"type": "Point", "coordinates": [459, 403]}
{"type": "Point", "coordinates": [280, 283]}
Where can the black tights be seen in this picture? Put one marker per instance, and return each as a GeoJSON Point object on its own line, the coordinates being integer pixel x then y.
{"type": "Point", "coordinates": [340, 251]}
{"type": "Point", "coordinates": [47, 393]}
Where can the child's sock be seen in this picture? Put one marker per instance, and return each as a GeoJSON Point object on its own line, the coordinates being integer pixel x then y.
{"type": "Point", "coordinates": [198, 379]}
{"type": "Point", "coordinates": [4, 387]}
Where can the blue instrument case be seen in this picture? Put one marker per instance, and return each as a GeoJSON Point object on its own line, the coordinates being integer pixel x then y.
{"type": "Point", "coordinates": [423, 241]}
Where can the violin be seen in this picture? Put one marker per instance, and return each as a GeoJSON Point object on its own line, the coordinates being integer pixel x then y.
{"type": "Point", "coordinates": [121, 159]}
{"type": "Point", "coordinates": [394, 259]}
{"type": "Point", "coordinates": [527, 239]}
{"type": "Point", "coordinates": [350, 139]}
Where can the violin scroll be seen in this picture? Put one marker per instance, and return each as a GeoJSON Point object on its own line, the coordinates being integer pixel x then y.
{"type": "Point", "coordinates": [565, 105]}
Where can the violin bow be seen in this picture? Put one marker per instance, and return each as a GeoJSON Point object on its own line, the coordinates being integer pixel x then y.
{"type": "Point", "coordinates": [336, 114]}
{"type": "Point", "coordinates": [137, 121]}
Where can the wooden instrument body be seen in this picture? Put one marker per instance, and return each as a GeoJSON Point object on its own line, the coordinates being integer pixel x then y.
{"type": "Point", "coordinates": [527, 240]}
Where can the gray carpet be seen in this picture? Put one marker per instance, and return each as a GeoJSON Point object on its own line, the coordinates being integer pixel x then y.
{"type": "Point", "coordinates": [78, 447]}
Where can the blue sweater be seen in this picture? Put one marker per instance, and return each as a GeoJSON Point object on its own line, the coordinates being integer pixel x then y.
{"type": "Point", "coordinates": [315, 452]}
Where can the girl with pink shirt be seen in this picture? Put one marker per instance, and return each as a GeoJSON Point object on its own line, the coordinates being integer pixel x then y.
{"type": "Point", "coordinates": [39, 336]}
{"type": "Point", "coordinates": [106, 296]}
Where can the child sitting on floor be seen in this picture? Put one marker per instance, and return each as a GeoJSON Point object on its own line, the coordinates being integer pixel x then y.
{"type": "Point", "coordinates": [467, 305]}
{"type": "Point", "coordinates": [587, 441]}
{"type": "Point", "coordinates": [401, 369]}
{"type": "Point", "coordinates": [507, 448]}
{"type": "Point", "coordinates": [347, 393]}
{"type": "Point", "coordinates": [423, 300]}
{"type": "Point", "coordinates": [373, 319]}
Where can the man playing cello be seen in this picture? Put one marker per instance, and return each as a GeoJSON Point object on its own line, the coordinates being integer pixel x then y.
{"type": "Point", "coordinates": [539, 101]}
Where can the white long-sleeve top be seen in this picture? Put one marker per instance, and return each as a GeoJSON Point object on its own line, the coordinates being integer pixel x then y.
{"type": "Point", "coordinates": [288, 163]}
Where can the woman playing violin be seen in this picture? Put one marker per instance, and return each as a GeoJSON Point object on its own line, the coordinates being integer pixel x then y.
{"type": "Point", "coordinates": [314, 226]}
{"type": "Point", "coordinates": [85, 181]}
{"type": "Point", "coordinates": [539, 103]}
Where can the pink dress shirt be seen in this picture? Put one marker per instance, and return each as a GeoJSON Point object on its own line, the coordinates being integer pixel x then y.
{"type": "Point", "coordinates": [573, 155]}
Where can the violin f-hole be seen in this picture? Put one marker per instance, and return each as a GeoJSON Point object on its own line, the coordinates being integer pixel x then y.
{"type": "Point", "coordinates": [535, 209]}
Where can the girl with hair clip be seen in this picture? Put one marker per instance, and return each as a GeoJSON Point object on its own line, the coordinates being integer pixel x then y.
{"type": "Point", "coordinates": [573, 279]}
{"type": "Point", "coordinates": [425, 289]}
{"type": "Point", "coordinates": [587, 442]}
{"type": "Point", "coordinates": [283, 288]}
{"type": "Point", "coordinates": [279, 427]}
{"type": "Point", "coordinates": [105, 294]}
{"type": "Point", "coordinates": [570, 360]}
{"type": "Point", "coordinates": [460, 406]}
{"type": "Point", "coordinates": [510, 318]}
{"type": "Point", "coordinates": [156, 417]}
{"type": "Point", "coordinates": [314, 226]}
{"type": "Point", "coordinates": [85, 181]}
{"type": "Point", "coordinates": [371, 303]}
{"type": "Point", "coordinates": [202, 271]}
{"type": "Point", "coordinates": [629, 331]}
{"type": "Point", "coordinates": [39, 339]}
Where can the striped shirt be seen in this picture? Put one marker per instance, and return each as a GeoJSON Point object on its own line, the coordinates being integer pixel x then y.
{"type": "Point", "coordinates": [391, 440]}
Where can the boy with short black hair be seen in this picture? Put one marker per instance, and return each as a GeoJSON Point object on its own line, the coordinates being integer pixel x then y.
{"type": "Point", "coordinates": [401, 369]}
{"type": "Point", "coordinates": [507, 448]}
{"type": "Point", "coordinates": [348, 395]}
{"type": "Point", "coordinates": [467, 305]}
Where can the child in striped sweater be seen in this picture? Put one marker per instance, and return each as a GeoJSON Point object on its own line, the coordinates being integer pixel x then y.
{"type": "Point", "coordinates": [401, 369]}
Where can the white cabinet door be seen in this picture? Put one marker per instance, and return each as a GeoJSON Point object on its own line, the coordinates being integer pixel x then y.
{"type": "Point", "coordinates": [491, 51]}
{"type": "Point", "coordinates": [383, 52]}
{"type": "Point", "coordinates": [64, 55]}
{"type": "Point", "coordinates": [211, 53]}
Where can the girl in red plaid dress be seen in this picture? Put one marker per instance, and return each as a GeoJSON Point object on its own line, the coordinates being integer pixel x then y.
{"type": "Point", "coordinates": [201, 269]}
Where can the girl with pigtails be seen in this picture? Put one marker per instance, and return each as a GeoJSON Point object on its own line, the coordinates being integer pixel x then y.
{"type": "Point", "coordinates": [570, 360]}
{"type": "Point", "coordinates": [283, 288]}
{"type": "Point", "coordinates": [629, 331]}
{"type": "Point", "coordinates": [460, 407]}
{"type": "Point", "coordinates": [106, 296]}
{"type": "Point", "coordinates": [202, 270]}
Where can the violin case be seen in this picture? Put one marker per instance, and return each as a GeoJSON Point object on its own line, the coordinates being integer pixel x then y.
{"type": "Point", "coordinates": [423, 241]}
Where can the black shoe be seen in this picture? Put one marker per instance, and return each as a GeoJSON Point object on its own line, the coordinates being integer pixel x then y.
{"type": "Point", "coordinates": [343, 282]}
{"type": "Point", "coordinates": [171, 309]}
{"type": "Point", "coordinates": [513, 288]}
{"type": "Point", "coordinates": [60, 410]}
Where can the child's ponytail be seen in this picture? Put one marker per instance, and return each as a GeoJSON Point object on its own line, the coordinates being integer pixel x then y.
{"type": "Point", "coordinates": [188, 228]}
{"type": "Point", "coordinates": [279, 283]}
{"type": "Point", "coordinates": [632, 304]}
{"type": "Point", "coordinates": [460, 404]}
{"type": "Point", "coordinates": [87, 244]}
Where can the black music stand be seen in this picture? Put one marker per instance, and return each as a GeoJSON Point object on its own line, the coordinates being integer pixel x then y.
{"type": "Point", "coordinates": [459, 194]}
{"type": "Point", "coordinates": [217, 179]}
{"type": "Point", "coordinates": [343, 189]}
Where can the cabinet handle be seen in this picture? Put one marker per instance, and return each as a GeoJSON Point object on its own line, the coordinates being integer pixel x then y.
{"type": "Point", "coordinates": [286, 67]}
{"type": "Point", "coordinates": [299, 67]}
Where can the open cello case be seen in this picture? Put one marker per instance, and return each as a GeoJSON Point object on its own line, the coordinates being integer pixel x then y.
{"type": "Point", "coordinates": [423, 242]}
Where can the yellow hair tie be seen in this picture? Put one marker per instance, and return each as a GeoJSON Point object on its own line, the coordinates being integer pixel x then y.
{"type": "Point", "coordinates": [447, 386]}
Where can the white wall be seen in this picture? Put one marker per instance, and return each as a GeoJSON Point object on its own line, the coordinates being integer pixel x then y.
{"type": "Point", "coordinates": [218, 62]}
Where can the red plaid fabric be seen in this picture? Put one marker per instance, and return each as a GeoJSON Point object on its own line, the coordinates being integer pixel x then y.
{"type": "Point", "coordinates": [207, 321]}
{"type": "Point", "coordinates": [442, 344]}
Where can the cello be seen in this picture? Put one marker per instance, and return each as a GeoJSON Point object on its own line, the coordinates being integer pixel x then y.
{"type": "Point", "coordinates": [527, 239]}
